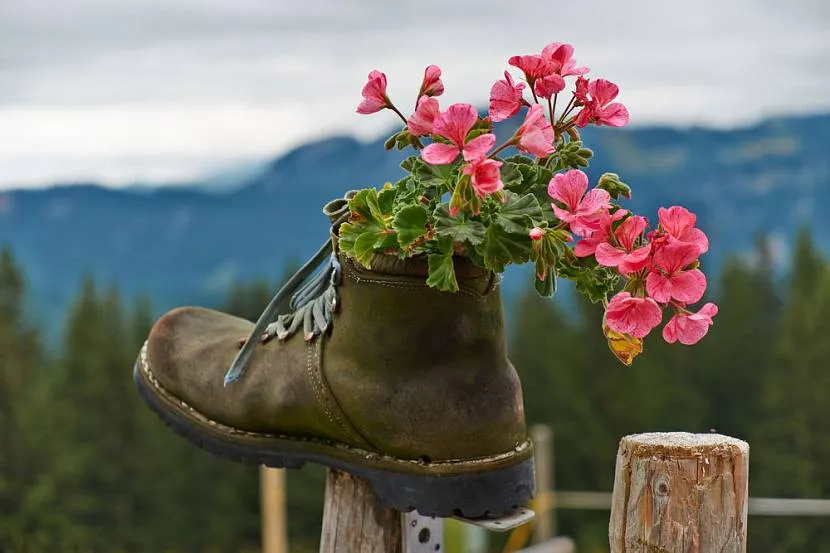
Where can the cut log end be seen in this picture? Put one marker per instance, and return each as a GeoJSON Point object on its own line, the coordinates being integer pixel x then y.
{"type": "Point", "coordinates": [679, 492]}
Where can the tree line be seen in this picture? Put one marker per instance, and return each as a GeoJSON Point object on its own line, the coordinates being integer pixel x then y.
{"type": "Point", "coordinates": [85, 467]}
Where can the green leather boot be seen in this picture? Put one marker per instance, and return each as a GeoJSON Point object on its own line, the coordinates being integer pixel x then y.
{"type": "Point", "coordinates": [373, 373]}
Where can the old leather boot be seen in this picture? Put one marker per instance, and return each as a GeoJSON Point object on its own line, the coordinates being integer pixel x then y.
{"type": "Point", "coordinates": [373, 373]}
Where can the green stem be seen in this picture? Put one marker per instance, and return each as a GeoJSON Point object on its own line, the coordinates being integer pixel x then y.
{"type": "Point", "coordinates": [568, 108]}
{"type": "Point", "coordinates": [501, 148]}
{"type": "Point", "coordinates": [550, 111]}
{"type": "Point", "coordinates": [396, 110]}
{"type": "Point", "coordinates": [553, 108]}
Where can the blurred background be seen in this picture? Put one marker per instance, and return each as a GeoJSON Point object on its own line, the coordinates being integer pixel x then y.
{"type": "Point", "coordinates": [160, 153]}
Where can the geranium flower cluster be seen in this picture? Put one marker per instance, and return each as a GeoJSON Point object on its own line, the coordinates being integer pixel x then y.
{"type": "Point", "coordinates": [494, 215]}
{"type": "Point", "coordinates": [660, 267]}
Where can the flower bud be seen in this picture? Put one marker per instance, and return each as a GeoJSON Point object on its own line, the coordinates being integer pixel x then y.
{"type": "Point", "coordinates": [536, 233]}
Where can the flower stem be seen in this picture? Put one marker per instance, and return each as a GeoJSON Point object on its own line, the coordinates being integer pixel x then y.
{"type": "Point", "coordinates": [500, 148]}
{"type": "Point", "coordinates": [396, 110]}
{"type": "Point", "coordinates": [550, 110]}
{"type": "Point", "coordinates": [568, 108]}
{"type": "Point", "coordinates": [553, 108]}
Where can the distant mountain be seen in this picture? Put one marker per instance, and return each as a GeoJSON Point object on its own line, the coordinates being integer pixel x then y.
{"type": "Point", "coordinates": [186, 245]}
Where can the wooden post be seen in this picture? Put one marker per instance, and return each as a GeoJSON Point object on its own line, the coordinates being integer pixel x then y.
{"type": "Point", "coordinates": [272, 505]}
{"type": "Point", "coordinates": [678, 492]}
{"type": "Point", "coordinates": [544, 527]}
{"type": "Point", "coordinates": [354, 521]}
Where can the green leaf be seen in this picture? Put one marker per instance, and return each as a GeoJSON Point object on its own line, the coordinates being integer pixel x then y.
{"type": "Point", "coordinates": [364, 246]}
{"type": "Point", "coordinates": [459, 228]}
{"type": "Point", "coordinates": [442, 273]}
{"type": "Point", "coordinates": [360, 203]}
{"type": "Point", "coordinates": [411, 223]}
{"type": "Point", "coordinates": [409, 163]}
{"type": "Point", "coordinates": [430, 175]}
{"type": "Point", "coordinates": [545, 287]}
{"type": "Point", "coordinates": [519, 213]}
{"type": "Point", "coordinates": [501, 248]}
{"type": "Point", "coordinates": [386, 201]}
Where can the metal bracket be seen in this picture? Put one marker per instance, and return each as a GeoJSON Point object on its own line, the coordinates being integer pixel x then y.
{"type": "Point", "coordinates": [422, 534]}
{"type": "Point", "coordinates": [504, 523]}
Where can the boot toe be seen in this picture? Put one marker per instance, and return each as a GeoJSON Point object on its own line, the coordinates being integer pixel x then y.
{"type": "Point", "coordinates": [190, 347]}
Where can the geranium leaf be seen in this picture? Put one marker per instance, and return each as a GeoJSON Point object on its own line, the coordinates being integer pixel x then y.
{"type": "Point", "coordinates": [411, 223]}
{"type": "Point", "coordinates": [500, 248]}
{"type": "Point", "coordinates": [442, 272]}
{"type": "Point", "coordinates": [519, 213]}
{"type": "Point", "coordinates": [460, 228]}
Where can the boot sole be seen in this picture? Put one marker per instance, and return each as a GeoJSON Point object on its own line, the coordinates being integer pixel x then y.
{"type": "Point", "coordinates": [471, 488]}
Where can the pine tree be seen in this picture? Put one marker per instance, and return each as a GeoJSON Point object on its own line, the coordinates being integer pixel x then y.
{"type": "Point", "coordinates": [791, 442]}
{"type": "Point", "coordinates": [21, 378]}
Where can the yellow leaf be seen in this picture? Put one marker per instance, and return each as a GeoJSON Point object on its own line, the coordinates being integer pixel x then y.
{"type": "Point", "coordinates": [623, 346]}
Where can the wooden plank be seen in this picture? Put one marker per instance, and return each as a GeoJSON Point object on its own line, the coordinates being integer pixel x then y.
{"type": "Point", "coordinates": [678, 492]}
{"type": "Point", "coordinates": [354, 521]}
{"type": "Point", "coordinates": [544, 526]}
{"type": "Point", "coordinates": [555, 545]}
{"type": "Point", "coordinates": [272, 506]}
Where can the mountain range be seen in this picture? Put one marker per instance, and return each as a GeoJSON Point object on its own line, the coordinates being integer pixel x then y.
{"type": "Point", "coordinates": [187, 245]}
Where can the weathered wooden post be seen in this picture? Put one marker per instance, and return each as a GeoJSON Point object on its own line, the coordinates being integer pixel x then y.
{"type": "Point", "coordinates": [544, 527]}
{"type": "Point", "coordinates": [272, 505]}
{"type": "Point", "coordinates": [678, 492]}
{"type": "Point", "coordinates": [354, 521]}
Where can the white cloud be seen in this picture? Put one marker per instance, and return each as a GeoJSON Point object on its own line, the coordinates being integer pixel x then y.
{"type": "Point", "coordinates": [124, 90]}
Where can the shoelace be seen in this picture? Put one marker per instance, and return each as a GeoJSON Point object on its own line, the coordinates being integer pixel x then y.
{"type": "Point", "coordinates": [313, 301]}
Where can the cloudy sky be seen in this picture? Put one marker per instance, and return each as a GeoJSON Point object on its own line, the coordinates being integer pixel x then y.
{"type": "Point", "coordinates": [120, 91]}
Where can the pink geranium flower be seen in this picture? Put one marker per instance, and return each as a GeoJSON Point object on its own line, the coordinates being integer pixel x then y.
{"type": "Point", "coordinates": [679, 223]}
{"type": "Point", "coordinates": [505, 98]}
{"type": "Point", "coordinates": [432, 85]}
{"type": "Point", "coordinates": [670, 278]}
{"type": "Point", "coordinates": [484, 175]}
{"type": "Point", "coordinates": [421, 122]}
{"type": "Point", "coordinates": [547, 86]}
{"type": "Point", "coordinates": [603, 221]}
{"type": "Point", "coordinates": [560, 56]}
{"type": "Point", "coordinates": [533, 66]}
{"type": "Point", "coordinates": [690, 328]}
{"type": "Point", "coordinates": [599, 108]}
{"type": "Point", "coordinates": [580, 208]}
{"type": "Point", "coordinates": [454, 125]}
{"type": "Point", "coordinates": [627, 257]}
{"type": "Point", "coordinates": [374, 94]}
{"type": "Point", "coordinates": [536, 134]}
{"type": "Point", "coordinates": [632, 315]}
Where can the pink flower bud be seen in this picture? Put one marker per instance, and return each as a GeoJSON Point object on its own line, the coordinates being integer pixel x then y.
{"type": "Point", "coordinates": [536, 233]}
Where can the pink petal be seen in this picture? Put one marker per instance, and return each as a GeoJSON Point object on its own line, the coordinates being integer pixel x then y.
{"type": "Point", "coordinates": [585, 247]}
{"type": "Point", "coordinates": [440, 154]}
{"type": "Point", "coordinates": [676, 219]}
{"type": "Point", "coordinates": [584, 116]}
{"type": "Point", "coordinates": [505, 98]}
{"type": "Point", "coordinates": [455, 123]}
{"type": "Point", "coordinates": [536, 142]}
{"type": "Point", "coordinates": [632, 315]}
{"type": "Point", "coordinates": [549, 85]}
{"type": "Point", "coordinates": [533, 66]}
{"type": "Point", "coordinates": [421, 122]}
{"type": "Point", "coordinates": [603, 91]}
{"type": "Point", "coordinates": [609, 256]}
{"type": "Point", "coordinates": [370, 105]}
{"type": "Point", "coordinates": [432, 85]}
{"type": "Point", "coordinates": [613, 115]}
{"type": "Point", "coordinates": [478, 147]}
{"type": "Point", "coordinates": [630, 230]}
{"type": "Point", "coordinates": [568, 188]}
{"type": "Point", "coordinates": [594, 200]}
{"type": "Point", "coordinates": [688, 286]}
{"type": "Point", "coordinates": [659, 287]}
{"type": "Point", "coordinates": [676, 256]}
{"type": "Point", "coordinates": [562, 214]}
{"type": "Point", "coordinates": [690, 329]}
